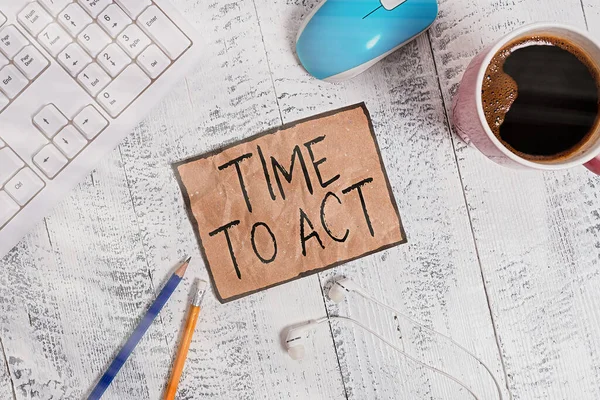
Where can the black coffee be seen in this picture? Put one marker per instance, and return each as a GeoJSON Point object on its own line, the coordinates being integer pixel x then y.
{"type": "Point", "coordinates": [541, 97]}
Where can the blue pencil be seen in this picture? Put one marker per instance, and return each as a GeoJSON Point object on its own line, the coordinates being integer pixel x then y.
{"type": "Point", "coordinates": [139, 332]}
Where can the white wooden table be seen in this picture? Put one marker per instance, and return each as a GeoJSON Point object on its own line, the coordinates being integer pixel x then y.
{"type": "Point", "coordinates": [504, 262]}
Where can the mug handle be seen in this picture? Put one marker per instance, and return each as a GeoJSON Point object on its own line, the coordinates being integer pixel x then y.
{"type": "Point", "coordinates": [594, 165]}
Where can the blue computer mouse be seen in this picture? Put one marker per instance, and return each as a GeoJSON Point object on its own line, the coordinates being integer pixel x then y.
{"type": "Point", "coordinates": [343, 38]}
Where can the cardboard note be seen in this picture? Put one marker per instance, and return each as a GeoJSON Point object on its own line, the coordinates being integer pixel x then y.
{"type": "Point", "coordinates": [291, 202]}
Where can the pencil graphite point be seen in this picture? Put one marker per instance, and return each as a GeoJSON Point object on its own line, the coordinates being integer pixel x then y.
{"type": "Point", "coordinates": [181, 270]}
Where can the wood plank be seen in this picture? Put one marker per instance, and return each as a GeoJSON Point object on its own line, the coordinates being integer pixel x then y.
{"type": "Point", "coordinates": [536, 233]}
{"type": "Point", "coordinates": [591, 9]}
{"type": "Point", "coordinates": [436, 276]}
{"type": "Point", "coordinates": [6, 389]}
{"type": "Point", "coordinates": [72, 291]}
{"type": "Point", "coordinates": [237, 353]}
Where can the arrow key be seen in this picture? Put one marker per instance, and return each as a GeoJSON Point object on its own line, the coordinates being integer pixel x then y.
{"type": "Point", "coordinates": [49, 120]}
{"type": "Point", "coordinates": [69, 141]}
{"type": "Point", "coordinates": [50, 161]}
{"type": "Point", "coordinates": [74, 19]}
{"type": "Point", "coordinates": [90, 122]}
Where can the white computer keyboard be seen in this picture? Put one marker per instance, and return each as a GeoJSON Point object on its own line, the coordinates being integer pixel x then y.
{"type": "Point", "coordinates": [76, 76]}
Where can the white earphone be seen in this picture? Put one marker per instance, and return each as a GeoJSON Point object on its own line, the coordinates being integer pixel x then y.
{"type": "Point", "coordinates": [297, 334]}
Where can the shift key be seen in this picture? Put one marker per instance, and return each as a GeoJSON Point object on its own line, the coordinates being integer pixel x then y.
{"type": "Point", "coordinates": [117, 96]}
{"type": "Point", "coordinates": [160, 28]}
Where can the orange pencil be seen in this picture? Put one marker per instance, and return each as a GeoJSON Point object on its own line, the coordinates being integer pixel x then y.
{"type": "Point", "coordinates": [186, 340]}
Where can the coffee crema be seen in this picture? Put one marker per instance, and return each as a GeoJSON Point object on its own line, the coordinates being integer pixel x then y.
{"type": "Point", "coordinates": [541, 98]}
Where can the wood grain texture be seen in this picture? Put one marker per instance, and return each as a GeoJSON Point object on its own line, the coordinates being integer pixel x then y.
{"type": "Point", "coordinates": [73, 289]}
{"type": "Point", "coordinates": [436, 276]}
{"type": "Point", "coordinates": [238, 353]}
{"type": "Point", "coordinates": [591, 9]}
{"type": "Point", "coordinates": [536, 233]}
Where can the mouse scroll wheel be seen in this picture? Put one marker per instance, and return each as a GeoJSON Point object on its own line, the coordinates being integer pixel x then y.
{"type": "Point", "coordinates": [389, 5]}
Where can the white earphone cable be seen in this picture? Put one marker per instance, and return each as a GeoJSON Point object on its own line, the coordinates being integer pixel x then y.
{"type": "Point", "coordinates": [439, 371]}
{"type": "Point", "coordinates": [440, 334]}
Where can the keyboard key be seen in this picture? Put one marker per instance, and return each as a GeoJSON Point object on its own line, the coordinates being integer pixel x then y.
{"type": "Point", "coordinates": [113, 59]}
{"type": "Point", "coordinates": [93, 78]}
{"type": "Point", "coordinates": [69, 141]}
{"type": "Point", "coordinates": [74, 19]}
{"type": "Point", "coordinates": [93, 39]}
{"type": "Point", "coordinates": [90, 122]}
{"type": "Point", "coordinates": [50, 161]}
{"type": "Point", "coordinates": [2, 19]}
{"type": "Point", "coordinates": [31, 62]}
{"type": "Point", "coordinates": [113, 20]}
{"type": "Point", "coordinates": [94, 7]}
{"type": "Point", "coordinates": [8, 208]}
{"type": "Point", "coordinates": [74, 59]}
{"type": "Point", "coordinates": [160, 28]}
{"type": "Point", "coordinates": [2, 144]}
{"type": "Point", "coordinates": [34, 18]}
{"type": "Point", "coordinates": [12, 82]}
{"type": "Point", "coordinates": [54, 39]}
{"type": "Point", "coordinates": [10, 163]}
{"type": "Point", "coordinates": [133, 40]}
{"type": "Point", "coordinates": [11, 41]}
{"type": "Point", "coordinates": [49, 120]}
{"type": "Point", "coordinates": [3, 60]}
{"type": "Point", "coordinates": [153, 61]}
{"type": "Point", "coordinates": [3, 103]}
{"type": "Point", "coordinates": [54, 6]}
{"type": "Point", "coordinates": [24, 186]}
{"type": "Point", "coordinates": [123, 90]}
{"type": "Point", "coordinates": [133, 7]}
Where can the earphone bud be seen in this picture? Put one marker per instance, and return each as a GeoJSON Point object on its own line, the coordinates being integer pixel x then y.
{"type": "Point", "coordinates": [338, 291]}
{"type": "Point", "coordinates": [296, 335]}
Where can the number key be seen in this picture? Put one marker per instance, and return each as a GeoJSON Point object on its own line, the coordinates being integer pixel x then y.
{"type": "Point", "coordinates": [94, 7]}
{"type": "Point", "coordinates": [93, 79]}
{"type": "Point", "coordinates": [113, 20]}
{"type": "Point", "coordinates": [133, 40]}
{"type": "Point", "coordinates": [113, 59]}
{"type": "Point", "coordinates": [74, 19]}
{"type": "Point", "coordinates": [74, 59]}
{"type": "Point", "coordinates": [54, 6]}
{"type": "Point", "coordinates": [54, 39]}
{"type": "Point", "coordinates": [93, 39]}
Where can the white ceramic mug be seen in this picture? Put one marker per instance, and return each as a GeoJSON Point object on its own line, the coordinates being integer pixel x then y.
{"type": "Point", "coordinates": [469, 119]}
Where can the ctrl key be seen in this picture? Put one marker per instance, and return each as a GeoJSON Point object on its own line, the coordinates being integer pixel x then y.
{"type": "Point", "coordinates": [8, 208]}
{"type": "Point", "coordinates": [24, 186]}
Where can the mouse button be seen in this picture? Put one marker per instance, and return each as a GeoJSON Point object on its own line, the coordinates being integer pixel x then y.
{"type": "Point", "coordinates": [389, 5]}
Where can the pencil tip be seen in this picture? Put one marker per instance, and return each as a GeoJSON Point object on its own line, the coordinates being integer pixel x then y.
{"type": "Point", "coordinates": [181, 270]}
